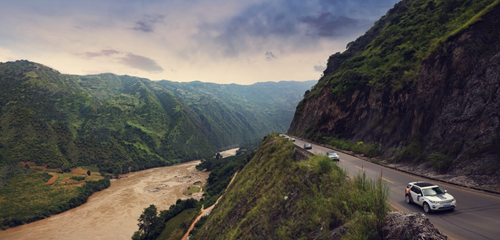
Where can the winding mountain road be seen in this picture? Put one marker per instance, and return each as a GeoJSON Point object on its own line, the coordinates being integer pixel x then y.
{"type": "Point", "coordinates": [477, 215]}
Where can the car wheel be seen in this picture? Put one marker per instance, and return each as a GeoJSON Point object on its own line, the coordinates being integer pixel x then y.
{"type": "Point", "coordinates": [407, 199]}
{"type": "Point", "coordinates": [427, 208]}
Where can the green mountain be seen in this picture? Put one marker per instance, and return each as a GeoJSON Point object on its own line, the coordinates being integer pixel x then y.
{"type": "Point", "coordinates": [277, 197]}
{"type": "Point", "coordinates": [421, 86]}
{"type": "Point", "coordinates": [124, 123]}
{"type": "Point", "coordinates": [240, 113]}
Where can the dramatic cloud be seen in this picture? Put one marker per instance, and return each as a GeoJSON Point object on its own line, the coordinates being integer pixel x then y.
{"type": "Point", "coordinates": [147, 23]}
{"type": "Point", "coordinates": [142, 63]}
{"type": "Point", "coordinates": [296, 24]}
{"type": "Point", "coordinates": [220, 41]}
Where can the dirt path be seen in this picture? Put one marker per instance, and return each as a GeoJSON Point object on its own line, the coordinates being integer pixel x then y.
{"type": "Point", "coordinates": [53, 179]}
{"type": "Point", "coordinates": [206, 210]}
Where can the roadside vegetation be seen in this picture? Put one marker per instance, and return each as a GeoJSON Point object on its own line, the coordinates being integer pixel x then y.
{"type": "Point", "coordinates": [367, 149]}
{"type": "Point", "coordinates": [277, 197]}
{"type": "Point", "coordinates": [38, 194]}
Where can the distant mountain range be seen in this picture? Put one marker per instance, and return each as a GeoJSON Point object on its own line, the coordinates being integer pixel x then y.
{"type": "Point", "coordinates": [124, 123]}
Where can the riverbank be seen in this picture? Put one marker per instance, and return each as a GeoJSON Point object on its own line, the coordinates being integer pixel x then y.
{"type": "Point", "coordinates": [112, 213]}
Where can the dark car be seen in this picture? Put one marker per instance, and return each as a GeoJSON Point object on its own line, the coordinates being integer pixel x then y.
{"type": "Point", "coordinates": [308, 146]}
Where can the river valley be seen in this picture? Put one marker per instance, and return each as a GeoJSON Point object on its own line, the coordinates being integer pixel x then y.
{"type": "Point", "coordinates": [112, 213]}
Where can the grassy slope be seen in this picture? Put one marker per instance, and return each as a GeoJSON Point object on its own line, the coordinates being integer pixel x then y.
{"type": "Point", "coordinates": [28, 197]}
{"type": "Point", "coordinates": [176, 227]}
{"type": "Point", "coordinates": [318, 200]}
{"type": "Point", "coordinates": [408, 34]}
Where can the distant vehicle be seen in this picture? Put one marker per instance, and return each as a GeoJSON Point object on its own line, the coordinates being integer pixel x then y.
{"type": "Point", "coordinates": [293, 139]}
{"type": "Point", "coordinates": [333, 155]}
{"type": "Point", "coordinates": [308, 146]}
{"type": "Point", "coordinates": [430, 196]}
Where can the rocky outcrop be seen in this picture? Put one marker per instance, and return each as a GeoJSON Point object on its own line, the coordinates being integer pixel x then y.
{"type": "Point", "coordinates": [413, 226]}
{"type": "Point", "coordinates": [452, 109]}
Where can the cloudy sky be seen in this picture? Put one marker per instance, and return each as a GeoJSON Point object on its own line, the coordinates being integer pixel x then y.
{"type": "Point", "coordinates": [221, 41]}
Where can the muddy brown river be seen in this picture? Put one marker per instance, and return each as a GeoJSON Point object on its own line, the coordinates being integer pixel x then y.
{"type": "Point", "coordinates": [112, 213]}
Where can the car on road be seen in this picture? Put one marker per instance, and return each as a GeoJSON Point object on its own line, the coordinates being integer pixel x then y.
{"type": "Point", "coordinates": [292, 139]}
{"type": "Point", "coordinates": [333, 155]}
{"type": "Point", "coordinates": [308, 146]}
{"type": "Point", "coordinates": [430, 196]}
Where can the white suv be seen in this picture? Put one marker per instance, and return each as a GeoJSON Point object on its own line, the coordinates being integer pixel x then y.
{"type": "Point", "coordinates": [430, 196]}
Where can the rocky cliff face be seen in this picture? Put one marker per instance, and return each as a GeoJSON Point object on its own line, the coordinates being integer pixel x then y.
{"type": "Point", "coordinates": [449, 115]}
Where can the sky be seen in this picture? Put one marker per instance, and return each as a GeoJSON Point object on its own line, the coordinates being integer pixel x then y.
{"type": "Point", "coordinates": [219, 41]}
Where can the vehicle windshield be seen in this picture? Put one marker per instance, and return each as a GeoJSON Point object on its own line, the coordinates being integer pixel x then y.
{"type": "Point", "coordinates": [332, 154]}
{"type": "Point", "coordinates": [432, 191]}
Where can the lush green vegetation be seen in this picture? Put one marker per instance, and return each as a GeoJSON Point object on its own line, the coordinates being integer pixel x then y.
{"type": "Point", "coordinates": [180, 215]}
{"type": "Point", "coordinates": [27, 197]}
{"type": "Point", "coordinates": [198, 225]}
{"type": "Point", "coordinates": [117, 124]}
{"type": "Point", "coordinates": [277, 197]}
{"type": "Point", "coordinates": [221, 172]}
{"type": "Point", "coordinates": [121, 123]}
{"type": "Point", "coordinates": [176, 227]}
{"type": "Point", "coordinates": [388, 57]}
{"type": "Point", "coordinates": [191, 190]}
{"type": "Point", "coordinates": [373, 83]}
{"type": "Point", "coordinates": [367, 149]}
{"type": "Point", "coordinates": [78, 178]}
{"type": "Point", "coordinates": [153, 224]}
{"type": "Point", "coordinates": [262, 106]}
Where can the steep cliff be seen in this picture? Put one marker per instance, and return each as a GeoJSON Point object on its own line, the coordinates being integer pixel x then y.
{"type": "Point", "coordinates": [423, 83]}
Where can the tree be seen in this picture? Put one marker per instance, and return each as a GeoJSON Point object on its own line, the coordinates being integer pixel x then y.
{"type": "Point", "coordinates": [148, 220]}
{"type": "Point", "coordinates": [88, 172]}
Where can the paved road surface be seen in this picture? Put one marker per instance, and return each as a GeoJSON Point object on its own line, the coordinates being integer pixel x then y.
{"type": "Point", "coordinates": [477, 215]}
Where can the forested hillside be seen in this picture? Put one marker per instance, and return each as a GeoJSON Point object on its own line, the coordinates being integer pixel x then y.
{"type": "Point", "coordinates": [241, 113]}
{"type": "Point", "coordinates": [421, 85]}
{"type": "Point", "coordinates": [123, 123]}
